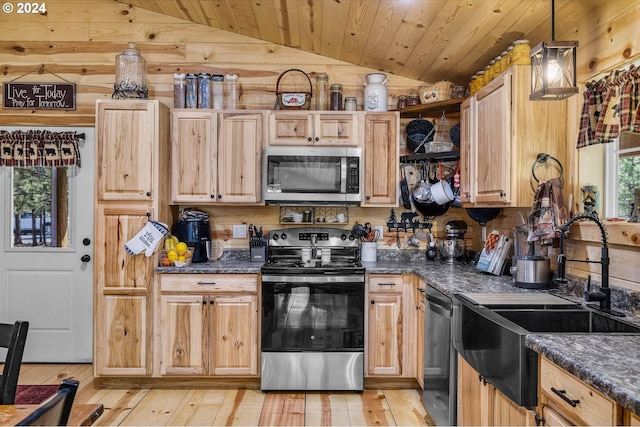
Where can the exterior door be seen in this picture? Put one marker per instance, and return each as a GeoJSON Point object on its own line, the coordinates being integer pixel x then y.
{"type": "Point", "coordinates": [46, 265]}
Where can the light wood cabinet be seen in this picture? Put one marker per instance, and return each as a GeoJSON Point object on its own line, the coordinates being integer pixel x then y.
{"type": "Point", "coordinates": [132, 140]}
{"type": "Point", "coordinates": [381, 156]}
{"type": "Point", "coordinates": [390, 326]}
{"type": "Point", "coordinates": [331, 128]}
{"type": "Point", "coordinates": [208, 325]}
{"type": "Point", "coordinates": [216, 156]}
{"type": "Point", "coordinates": [502, 133]}
{"type": "Point", "coordinates": [631, 419]}
{"type": "Point", "coordinates": [563, 398]}
{"type": "Point", "coordinates": [481, 404]}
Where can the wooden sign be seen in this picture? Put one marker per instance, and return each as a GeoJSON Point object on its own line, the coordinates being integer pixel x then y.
{"type": "Point", "coordinates": [39, 96]}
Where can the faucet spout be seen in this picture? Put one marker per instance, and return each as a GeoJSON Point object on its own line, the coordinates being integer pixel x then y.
{"type": "Point", "coordinates": [603, 296]}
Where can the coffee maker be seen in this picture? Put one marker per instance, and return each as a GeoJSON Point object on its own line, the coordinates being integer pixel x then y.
{"type": "Point", "coordinates": [194, 230]}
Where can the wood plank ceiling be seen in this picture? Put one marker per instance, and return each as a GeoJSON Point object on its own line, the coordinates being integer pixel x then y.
{"type": "Point", "coordinates": [427, 40]}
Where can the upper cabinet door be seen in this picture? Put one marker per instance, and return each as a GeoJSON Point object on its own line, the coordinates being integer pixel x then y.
{"type": "Point", "coordinates": [291, 128]}
{"type": "Point", "coordinates": [381, 167]}
{"type": "Point", "coordinates": [126, 132]}
{"type": "Point", "coordinates": [336, 129]}
{"type": "Point", "coordinates": [493, 150]}
{"type": "Point", "coordinates": [467, 150]}
{"type": "Point", "coordinates": [194, 149]}
{"type": "Point", "coordinates": [239, 157]}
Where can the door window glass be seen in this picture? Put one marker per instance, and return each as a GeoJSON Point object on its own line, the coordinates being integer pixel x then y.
{"type": "Point", "coordinates": [40, 207]}
{"type": "Point", "coordinates": [622, 175]}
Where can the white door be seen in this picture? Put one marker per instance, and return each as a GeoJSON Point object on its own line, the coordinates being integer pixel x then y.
{"type": "Point", "coordinates": [50, 284]}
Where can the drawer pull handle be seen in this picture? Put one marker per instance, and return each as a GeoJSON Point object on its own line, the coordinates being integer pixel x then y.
{"type": "Point", "coordinates": [563, 395]}
{"type": "Point", "coordinates": [206, 283]}
{"type": "Point", "coordinates": [386, 284]}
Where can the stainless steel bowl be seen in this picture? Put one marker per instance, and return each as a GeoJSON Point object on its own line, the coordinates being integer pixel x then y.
{"type": "Point", "coordinates": [451, 249]}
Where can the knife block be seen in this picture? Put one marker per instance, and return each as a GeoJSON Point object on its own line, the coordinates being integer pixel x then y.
{"type": "Point", "coordinates": [258, 249]}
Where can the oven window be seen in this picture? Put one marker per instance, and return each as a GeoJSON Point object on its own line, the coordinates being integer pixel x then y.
{"type": "Point", "coordinates": [305, 174]}
{"type": "Point", "coordinates": [316, 317]}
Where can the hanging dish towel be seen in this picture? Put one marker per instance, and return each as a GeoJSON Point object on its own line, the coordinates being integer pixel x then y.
{"type": "Point", "coordinates": [548, 213]}
{"type": "Point", "coordinates": [147, 239]}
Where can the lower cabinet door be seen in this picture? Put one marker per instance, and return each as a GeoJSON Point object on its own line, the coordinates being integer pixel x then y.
{"type": "Point", "coordinates": [233, 328]}
{"type": "Point", "coordinates": [184, 335]}
{"type": "Point", "coordinates": [124, 348]}
{"type": "Point", "coordinates": [384, 343]}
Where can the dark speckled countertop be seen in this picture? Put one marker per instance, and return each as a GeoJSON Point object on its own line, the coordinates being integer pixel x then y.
{"type": "Point", "coordinates": [609, 363]}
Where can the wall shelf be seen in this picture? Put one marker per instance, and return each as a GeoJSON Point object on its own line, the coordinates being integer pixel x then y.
{"type": "Point", "coordinates": [443, 156]}
{"type": "Point", "coordinates": [433, 109]}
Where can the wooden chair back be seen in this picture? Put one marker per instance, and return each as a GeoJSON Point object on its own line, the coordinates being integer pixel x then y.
{"type": "Point", "coordinates": [55, 410]}
{"type": "Point", "coordinates": [13, 338]}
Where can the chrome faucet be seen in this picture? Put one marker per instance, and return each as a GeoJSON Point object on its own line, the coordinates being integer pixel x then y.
{"type": "Point", "coordinates": [603, 296]}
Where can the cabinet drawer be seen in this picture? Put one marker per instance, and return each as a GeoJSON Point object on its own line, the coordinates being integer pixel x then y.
{"type": "Point", "coordinates": [593, 407]}
{"type": "Point", "coordinates": [209, 283]}
{"type": "Point", "coordinates": [386, 283]}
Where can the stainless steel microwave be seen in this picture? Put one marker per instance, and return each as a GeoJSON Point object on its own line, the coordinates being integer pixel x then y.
{"type": "Point", "coordinates": [302, 174]}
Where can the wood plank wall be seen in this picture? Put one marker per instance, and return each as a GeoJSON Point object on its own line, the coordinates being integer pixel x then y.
{"type": "Point", "coordinates": [77, 41]}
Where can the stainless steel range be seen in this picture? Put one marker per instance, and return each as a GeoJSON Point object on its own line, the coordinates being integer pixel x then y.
{"type": "Point", "coordinates": [312, 311]}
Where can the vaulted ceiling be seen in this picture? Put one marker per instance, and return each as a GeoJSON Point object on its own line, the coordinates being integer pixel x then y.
{"type": "Point", "coordinates": [427, 40]}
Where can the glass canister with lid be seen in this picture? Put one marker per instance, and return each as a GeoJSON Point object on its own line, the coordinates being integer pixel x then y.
{"type": "Point", "coordinates": [322, 91]}
{"type": "Point", "coordinates": [336, 97]}
{"type": "Point", "coordinates": [179, 90]}
{"type": "Point", "coordinates": [131, 74]}
{"type": "Point", "coordinates": [521, 50]}
{"type": "Point", "coordinates": [217, 91]}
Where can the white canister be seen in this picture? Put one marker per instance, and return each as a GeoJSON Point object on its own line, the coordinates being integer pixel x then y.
{"type": "Point", "coordinates": [368, 252]}
{"type": "Point", "coordinates": [375, 92]}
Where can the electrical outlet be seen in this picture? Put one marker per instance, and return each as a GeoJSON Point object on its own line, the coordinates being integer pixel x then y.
{"type": "Point", "coordinates": [380, 230]}
{"type": "Point", "coordinates": [239, 231]}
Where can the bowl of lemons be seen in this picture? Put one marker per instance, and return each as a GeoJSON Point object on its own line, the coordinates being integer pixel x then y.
{"type": "Point", "coordinates": [175, 253]}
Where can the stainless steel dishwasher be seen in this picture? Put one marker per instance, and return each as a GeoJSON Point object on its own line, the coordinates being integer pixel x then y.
{"type": "Point", "coordinates": [440, 362]}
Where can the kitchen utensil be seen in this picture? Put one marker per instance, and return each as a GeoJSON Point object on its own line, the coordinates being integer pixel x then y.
{"type": "Point", "coordinates": [422, 191]}
{"type": "Point", "coordinates": [358, 230]}
{"type": "Point", "coordinates": [404, 192]}
{"type": "Point", "coordinates": [451, 249]}
{"type": "Point", "coordinates": [441, 191]}
{"type": "Point", "coordinates": [482, 216]}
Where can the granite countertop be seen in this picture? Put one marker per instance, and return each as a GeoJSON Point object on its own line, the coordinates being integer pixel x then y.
{"type": "Point", "coordinates": [607, 362]}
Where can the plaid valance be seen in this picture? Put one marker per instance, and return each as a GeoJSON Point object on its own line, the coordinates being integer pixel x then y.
{"type": "Point", "coordinates": [39, 148]}
{"type": "Point", "coordinates": [611, 105]}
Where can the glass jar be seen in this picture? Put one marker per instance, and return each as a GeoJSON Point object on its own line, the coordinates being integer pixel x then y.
{"type": "Point", "coordinates": [231, 92]}
{"type": "Point", "coordinates": [472, 84]}
{"type": "Point", "coordinates": [204, 90]}
{"type": "Point", "coordinates": [350, 103]}
{"type": "Point", "coordinates": [480, 82]}
{"type": "Point", "coordinates": [131, 74]}
{"type": "Point", "coordinates": [521, 50]}
{"type": "Point", "coordinates": [413, 99]}
{"type": "Point", "coordinates": [192, 91]}
{"type": "Point", "coordinates": [179, 90]}
{"type": "Point", "coordinates": [217, 91]}
{"type": "Point", "coordinates": [322, 92]}
{"type": "Point", "coordinates": [509, 56]}
{"type": "Point", "coordinates": [306, 216]}
{"type": "Point", "coordinates": [402, 102]}
{"type": "Point", "coordinates": [498, 67]}
{"type": "Point", "coordinates": [336, 97]}
{"type": "Point", "coordinates": [504, 65]}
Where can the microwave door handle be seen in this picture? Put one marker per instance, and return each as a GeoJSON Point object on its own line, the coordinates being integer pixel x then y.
{"type": "Point", "coordinates": [343, 175]}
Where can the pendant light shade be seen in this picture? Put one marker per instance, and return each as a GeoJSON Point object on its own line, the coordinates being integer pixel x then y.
{"type": "Point", "coordinates": [553, 68]}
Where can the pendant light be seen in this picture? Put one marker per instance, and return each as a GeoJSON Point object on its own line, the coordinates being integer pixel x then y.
{"type": "Point", "coordinates": [553, 67]}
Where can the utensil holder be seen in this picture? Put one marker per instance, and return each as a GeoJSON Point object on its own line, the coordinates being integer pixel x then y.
{"type": "Point", "coordinates": [258, 249]}
{"type": "Point", "coordinates": [369, 251]}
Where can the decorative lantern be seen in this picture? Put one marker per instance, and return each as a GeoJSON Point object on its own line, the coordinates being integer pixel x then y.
{"type": "Point", "coordinates": [131, 75]}
{"type": "Point", "coordinates": [553, 68]}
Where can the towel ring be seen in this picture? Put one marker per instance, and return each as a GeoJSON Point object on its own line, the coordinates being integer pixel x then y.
{"type": "Point", "coordinates": [542, 158]}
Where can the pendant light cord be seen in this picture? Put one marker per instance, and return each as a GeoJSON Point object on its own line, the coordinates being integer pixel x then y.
{"type": "Point", "coordinates": [553, 21]}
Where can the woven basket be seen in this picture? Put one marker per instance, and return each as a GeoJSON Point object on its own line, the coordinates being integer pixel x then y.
{"type": "Point", "coordinates": [294, 100]}
{"type": "Point", "coordinates": [440, 91]}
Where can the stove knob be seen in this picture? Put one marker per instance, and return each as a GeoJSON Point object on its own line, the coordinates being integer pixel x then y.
{"type": "Point", "coordinates": [351, 237]}
{"type": "Point", "coordinates": [343, 237]}
{"type": "Point", "coordinates": [283, 236]}
{"type": "Point", "coordinates": [276, 237]}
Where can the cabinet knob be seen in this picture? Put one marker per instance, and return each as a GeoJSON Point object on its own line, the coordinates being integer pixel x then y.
{"type": "Point", "coordinates": [502, 194]}
{"type": "Point", "coordinates": [317, 139]}
{"type": "Point", "coordinates": [309, 139]}
{"type": "Point", "coordinates": [219, 196]}
{"type": "Point", "coordinates": [213, 196]}
{"type": "Point", "coordinates": [367, 197]}
{"type": "Point", "coordinates": [372, 302]}
{"type": "Point", "coordinates": [148, 193]}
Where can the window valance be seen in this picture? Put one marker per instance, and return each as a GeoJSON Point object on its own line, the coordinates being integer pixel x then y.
{"type": "Point", "coordinates": [611, 106]}
{"type": "Point", "coordinates": [39, 148]}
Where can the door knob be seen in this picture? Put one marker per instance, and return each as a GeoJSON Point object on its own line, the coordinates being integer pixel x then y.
{"type": "Point", "coordinates": [85, 258]}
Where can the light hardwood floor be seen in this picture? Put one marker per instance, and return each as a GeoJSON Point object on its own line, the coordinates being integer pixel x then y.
{"type": "Point", "coordinates": [217, 407]}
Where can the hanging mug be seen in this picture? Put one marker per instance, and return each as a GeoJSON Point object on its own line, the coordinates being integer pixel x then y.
{"type": "Point", "coordinates": [375, 92]}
